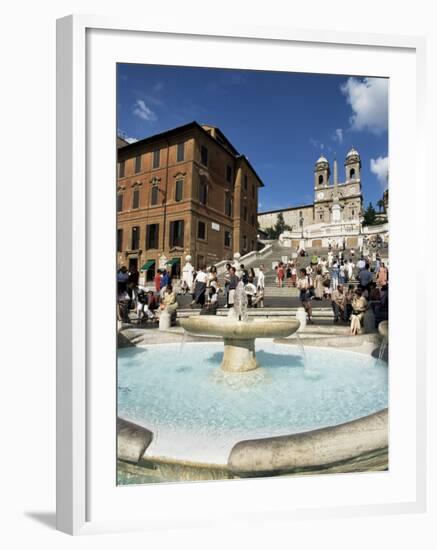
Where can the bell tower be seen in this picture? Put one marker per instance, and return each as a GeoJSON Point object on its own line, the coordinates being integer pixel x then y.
{"type": "Point", "coordinates": [321, 173]}
{"type": "Point", "coordinates": [352, 166]}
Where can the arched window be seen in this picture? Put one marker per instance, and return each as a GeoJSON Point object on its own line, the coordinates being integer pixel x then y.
{"type": "Point", "coordinates": [320, 179]}
{"type": "Point", "coordinates": [352, 173]}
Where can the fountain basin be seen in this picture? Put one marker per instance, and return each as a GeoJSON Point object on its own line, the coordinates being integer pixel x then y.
{"type": "Point", "coordinates": [239, 337]}
{"type": "Point", "coordinates": [198, 413]}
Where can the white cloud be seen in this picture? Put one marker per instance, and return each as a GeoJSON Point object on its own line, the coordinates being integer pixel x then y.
{"type": "Point", "coordinates": [368, 98]}
{"type": "Point", "coordinates": [141, 110]}
{"type": "Point", "coordinates": [338, 135]}
{"type": "Point", "coordinates": [130, 139]}
{"type": "Point", "coordinates": [158, 87]}
{"type": "Point", "coordinates": [379, 167]}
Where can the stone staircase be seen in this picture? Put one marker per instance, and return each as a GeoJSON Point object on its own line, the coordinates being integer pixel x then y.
{"type": "Point", "coordinates": [277, 252]}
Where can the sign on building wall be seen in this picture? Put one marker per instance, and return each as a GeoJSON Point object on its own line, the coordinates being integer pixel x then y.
{"type": "Point", "coordinates": [215, 226]}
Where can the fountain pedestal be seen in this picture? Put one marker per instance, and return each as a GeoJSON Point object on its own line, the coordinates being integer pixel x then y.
{"type": "Point", "coordinates": [239, 337]}
{"type": "Point", "coordinates": [239, 355]}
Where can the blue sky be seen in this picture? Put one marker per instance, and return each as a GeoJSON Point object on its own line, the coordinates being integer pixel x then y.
{"type": "Point", "coordinates": [281, 121]}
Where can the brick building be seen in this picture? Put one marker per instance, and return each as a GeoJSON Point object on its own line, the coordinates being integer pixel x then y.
{"type": "Point", "coordinates": [184, 191]}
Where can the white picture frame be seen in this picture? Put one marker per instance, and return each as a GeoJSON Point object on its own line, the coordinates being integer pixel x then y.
{"type": "Point", "coordinates": [79, 424]}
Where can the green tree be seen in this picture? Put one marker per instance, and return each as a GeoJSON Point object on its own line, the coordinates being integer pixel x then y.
{"type": "Point", "coordinates": [271, 233]}
{"type": "Point", "coordinates": [369, 215]}
{"type": "Point", "coordinates": [280, 225]}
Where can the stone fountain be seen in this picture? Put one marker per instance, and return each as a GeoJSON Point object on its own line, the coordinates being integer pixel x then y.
{"type": "Point", "coordinates": [239, 333]}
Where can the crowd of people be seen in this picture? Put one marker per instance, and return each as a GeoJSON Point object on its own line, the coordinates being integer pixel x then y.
{"type": "Point", "coordinates": [206, 287]}
{"type": "Point", "coordinates": [147, 302]}
{"type": "Point", "coordinates": [353, 287]}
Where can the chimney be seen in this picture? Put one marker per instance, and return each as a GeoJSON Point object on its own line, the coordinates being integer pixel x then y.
{"type": "Point", "coordinates": [335, 173]}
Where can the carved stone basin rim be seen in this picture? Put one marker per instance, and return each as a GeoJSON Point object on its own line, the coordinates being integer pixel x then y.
{"type": "Point", "coordinates": [230, 328]}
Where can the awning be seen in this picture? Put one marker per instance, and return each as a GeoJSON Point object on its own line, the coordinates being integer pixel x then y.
{"type": "Point", "coordinates": [173, 261]}
{"type": "Point", "coordinates": [148, 265]}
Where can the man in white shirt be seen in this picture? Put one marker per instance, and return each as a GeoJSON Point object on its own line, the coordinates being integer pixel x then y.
{"type": "Point", "coordinates": [261, 278]}
{"type": "Point", "coordinates": [350, 269]}
{"type": "Point", "coordinates": [323, 263]}
{"type": "Point", "coordinates": [200, 286]}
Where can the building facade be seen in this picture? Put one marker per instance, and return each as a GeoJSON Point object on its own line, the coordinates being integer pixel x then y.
{"type": "Point", "coordinates": [186, 191]}
{"type": "Point", "coordinates": [335, 212]}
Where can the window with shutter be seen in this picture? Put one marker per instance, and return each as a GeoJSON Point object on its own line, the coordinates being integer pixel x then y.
{"type": "Point", "coordinates": [179, 190]}
{"type": "Point", "coordinates": [136, 199]}
{"type": "Point", "coordinates": [180, 155]}
{"type": "Point", "coordinates": [156, 158]}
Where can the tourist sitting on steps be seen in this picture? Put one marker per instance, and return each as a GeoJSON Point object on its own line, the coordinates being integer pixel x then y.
{"type": "Point", "coordinates": [211, 306]}
{"type": "Point", "coordinates": [147, 305]}
{"type": "Point", "coordinates": [169, 303]}
{"type": "Point", "coordinates": [359, 307]}
{"type": "Point", "coordinates": [250, 290]}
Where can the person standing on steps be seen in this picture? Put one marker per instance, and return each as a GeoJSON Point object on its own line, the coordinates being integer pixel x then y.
{"type": "Point", "coordinates": [227, 283]}
{"type": "Point", "coordinates": [200, 283]}
{"type": "Point", "coordinates": [280, 274]}
{"type": "Point", "coordinates": [338, 298]}
{"type": "Point", "coordinates": [382, 277]}
{"type": "Point", "coordinates": [319, 289]}
{"type": "Point", "coordinates": [260, 286]}
{"type": "Point", "coordinates": [303, 284]}
{"type": "Point", "coordinates": [233, 282]}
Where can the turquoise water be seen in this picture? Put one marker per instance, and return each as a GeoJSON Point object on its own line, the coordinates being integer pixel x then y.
{"type": "Point", "coordinates": [197, 412]}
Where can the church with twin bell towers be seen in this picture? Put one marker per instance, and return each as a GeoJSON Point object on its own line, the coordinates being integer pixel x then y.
{"type": "Point", "coordinates": [336, 211]}
{"type": "Point", "coordinates": [338, 202]}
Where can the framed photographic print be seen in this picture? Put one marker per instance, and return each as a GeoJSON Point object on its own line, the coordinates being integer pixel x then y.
{"type": "Point", "coordinates": [232, 337]}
